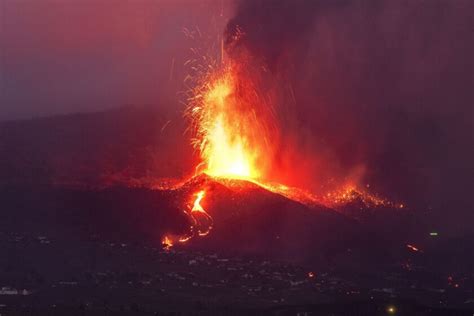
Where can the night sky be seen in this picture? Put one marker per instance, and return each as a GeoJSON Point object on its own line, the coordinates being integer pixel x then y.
{"type": "Point", "coordinates": [62, 57]}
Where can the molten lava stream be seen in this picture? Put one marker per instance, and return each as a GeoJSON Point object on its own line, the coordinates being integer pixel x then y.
{"type": "Point", "coordinates": [202, 222]}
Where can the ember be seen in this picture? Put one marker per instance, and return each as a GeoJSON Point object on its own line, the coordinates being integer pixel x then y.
{"type": "Point", "coordinates": [167, 243]}
{"type": "Point", "coordinates": [413, 248]}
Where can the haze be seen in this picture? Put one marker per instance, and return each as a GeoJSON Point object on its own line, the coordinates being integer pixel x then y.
{"type": "Point", "coordinates": [74, 56]}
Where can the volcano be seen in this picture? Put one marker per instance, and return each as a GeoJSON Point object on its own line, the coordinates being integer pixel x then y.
{"type": "Point", "coordinates": [251, 219]}
{"type": "Point", "coordinates": [117, 221]}
{"type": "Point", "coordinates": [248, 220]}
{"type": "Point", "coordinates": [275, 157]}
{"type": "Point", "coordinates": [248, 217]}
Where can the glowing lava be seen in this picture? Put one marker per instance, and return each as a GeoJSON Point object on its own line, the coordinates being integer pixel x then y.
{"type": "Point", "coordinates": [202, 220]}
{"type": "Point", "coordinates": [167, 243]}
{"type": "Point", "coordinates": [230, 128]}
{"type": "Point", "coordinates": [228, 133]}
{"type": "Point", "coordinates": [232, 124]}
{"type": "Point", "coordinates": [197, 203]}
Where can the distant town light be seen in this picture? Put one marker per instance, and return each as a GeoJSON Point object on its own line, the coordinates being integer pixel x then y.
{"type": "Point", "coordinates": [391, 310]}
{"type": "Point", "coordinates": [433, 234]}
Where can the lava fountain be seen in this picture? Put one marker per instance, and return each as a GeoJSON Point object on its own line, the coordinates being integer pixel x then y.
{"type": "Point", "coordinates": [230, 132]}
{"type": "Point", "coordinates": [230, 125]}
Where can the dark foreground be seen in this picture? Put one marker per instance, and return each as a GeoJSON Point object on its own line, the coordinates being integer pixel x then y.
{"type": "Point", "coordinates": [44, 276]}
{"type": "Point", "coordinates": [98, 252]}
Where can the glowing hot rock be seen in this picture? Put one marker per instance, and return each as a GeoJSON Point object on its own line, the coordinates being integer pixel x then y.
{"type": "Point", "coordinates": [201, 223]}
{"type": "Point", "coordinates": [229, 135]}
{"type": "Point", "coordinates": [202, 220]}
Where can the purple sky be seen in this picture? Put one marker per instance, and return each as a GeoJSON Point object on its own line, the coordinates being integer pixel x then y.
{"type": "Point", "coordinates": [73, 56]}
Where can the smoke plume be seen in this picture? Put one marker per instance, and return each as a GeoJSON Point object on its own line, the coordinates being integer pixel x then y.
{"type": "Point", "coordinates": [378, 93]}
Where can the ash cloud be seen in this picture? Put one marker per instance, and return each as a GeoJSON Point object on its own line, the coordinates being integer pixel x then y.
{"type": "Point", "coordinates": [272, 28]}
{"type": "Point", "coordinates": [380, 92]}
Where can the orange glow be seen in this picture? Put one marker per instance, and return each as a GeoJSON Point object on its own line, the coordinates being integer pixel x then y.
{"type": "Point", "coordinates": [203, 222]}
{"type": "Point", "coordinates": [197, 203]}
{"type": "Point", "coordinates": [184, 238]}
{"type": "Point", "coordinates": [231, 126]}
{"type": "Point", "coordinates": [350, 193]}
{"type": "Point", "coordinates": [230, 131]}
{"type": "Point", "coordinates": [167, 243]}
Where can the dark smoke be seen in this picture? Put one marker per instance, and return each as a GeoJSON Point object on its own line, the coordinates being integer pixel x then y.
{"type": "Point", "coordinates": [272, 28]}
{"type": "Point", "coordinates": [376, 91]}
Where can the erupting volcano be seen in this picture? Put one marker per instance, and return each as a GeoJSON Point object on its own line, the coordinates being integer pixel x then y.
{"type": "Point", "coordinates": [235, 132]}
{"type": "Point", "coordinates": [247, 157]}
{"type": "Point", "coordinates": [227, 132]}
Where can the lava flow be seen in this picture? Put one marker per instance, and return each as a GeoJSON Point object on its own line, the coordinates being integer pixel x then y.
{"type": "Point", "coordinates": [202, 220]}
{"type": "Point", "coordinates": [201, 223]}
